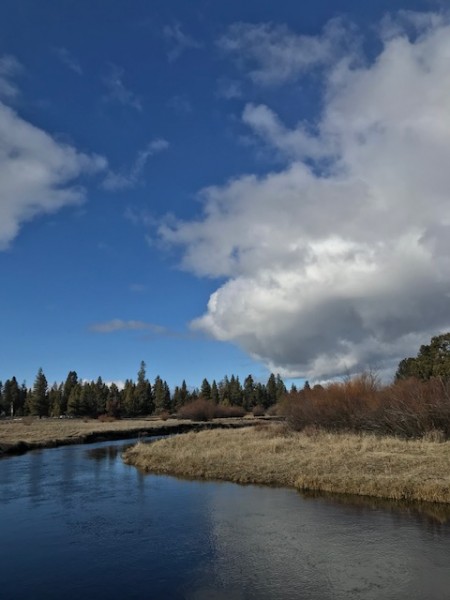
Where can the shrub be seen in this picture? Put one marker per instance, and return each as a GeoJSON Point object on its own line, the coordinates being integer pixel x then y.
{"type": "Point", "coordinates": [258, 411]}
{"type": "Point", "coordinates": [197, 410]}
{"type": "Point", "coordinates": [106, 418]}
{"type": "Point", "coordinates": [408, 408]}
{"type": "Point", "coordinates": [223, 411]}
{"type": "Point", "coordinates": [205, 410]}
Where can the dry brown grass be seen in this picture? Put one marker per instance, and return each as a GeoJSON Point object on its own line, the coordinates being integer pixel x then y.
{"type": "Point", "coordinates": [32, 432]}
{"type": "Point", "coordinates": [52, 432]}
{"type": "Point", "coordinates": [313, 460]}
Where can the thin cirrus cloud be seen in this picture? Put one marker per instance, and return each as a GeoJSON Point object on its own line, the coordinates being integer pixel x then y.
{"type": "Point", "coordinates": [10, 67]}
{"type": "Point", "coordinates": [120, 325]}
{"type": "Point", "coordinates": [38, 174]}
{"type": "Point", "coordinates": [272, 54]}
{"type": "Point", "coordinates": [69, 60]}
{"type": "Point", "coordinates": [117, 91]}
{"type": "Point", "coordinates": [334, 269]}
{"type": "Point", "coordinates": [125, 180]}
{"type": "Point", "coordinates": [178, 41]}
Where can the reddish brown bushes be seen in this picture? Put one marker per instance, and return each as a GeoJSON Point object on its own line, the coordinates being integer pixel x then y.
{"type": "Point", "coordinates": [205, 410]}
{"type": "Point", "coordinates": [106, 418]}
{"type": "Point", "coordinates": [409, 408]}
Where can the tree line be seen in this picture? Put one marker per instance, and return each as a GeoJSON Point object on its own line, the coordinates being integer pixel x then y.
{"type": "Point", "coordinates": [75, 397]}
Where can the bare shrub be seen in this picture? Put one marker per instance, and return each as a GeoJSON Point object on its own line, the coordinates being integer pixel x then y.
{"type": "Point", "coordinates": [205, 410]}
{"type": "Point", "coordinates": [105, 418]}
{"type": "Point", "coordinates": [222, 411]}
{"type": "Point", "coordinates": [273, 411]}
{"type": "Point", "coordinates": [258, 411]}
{"type": "Point", "coordinates": [197, 410]}
{"type": "Point", "coordinates": [408, 408]}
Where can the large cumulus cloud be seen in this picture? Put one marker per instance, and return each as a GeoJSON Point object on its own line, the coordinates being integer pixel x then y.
{"type": "Point", "coordinates": [341, 260]}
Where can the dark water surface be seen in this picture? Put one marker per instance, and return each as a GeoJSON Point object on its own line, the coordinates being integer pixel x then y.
{"type": "Point", "coordinates": [76, 523]}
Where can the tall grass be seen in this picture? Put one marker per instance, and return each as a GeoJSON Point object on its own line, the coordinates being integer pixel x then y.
{"type": "Point", "coordinates": [313, 460]}
{"type": "Point", "coordinates": [409, 408]}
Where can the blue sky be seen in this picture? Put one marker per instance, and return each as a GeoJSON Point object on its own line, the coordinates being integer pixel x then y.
{"type": "Point", "coordinates": [220, 187]}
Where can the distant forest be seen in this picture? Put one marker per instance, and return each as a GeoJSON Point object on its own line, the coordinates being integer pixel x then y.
{"type": "Point", "coordinates": [75, 397]}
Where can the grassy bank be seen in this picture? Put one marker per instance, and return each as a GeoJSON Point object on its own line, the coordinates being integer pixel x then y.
{"type": "Point", "coordinates": [360, 464]}
{"type": "Point", "coordinates": [29, 433]}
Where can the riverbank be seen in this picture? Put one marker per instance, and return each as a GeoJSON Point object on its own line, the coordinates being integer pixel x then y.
{"type": "Point", "coordinates": [318, 461]}
{"type": "Point", "coordinates": [19, 436]}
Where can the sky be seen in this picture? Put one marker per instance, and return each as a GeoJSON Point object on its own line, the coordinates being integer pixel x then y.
{"type": "Point", "coordinates": [222, 187]}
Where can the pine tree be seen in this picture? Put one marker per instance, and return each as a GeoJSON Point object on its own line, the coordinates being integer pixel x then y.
{"type": "Point", "coordinates": [11, 397]}
{"type": "Point", "coordinates": [143, 393]}
{"type": "Point", "coordinates": [54, 400]}
{"type": "Point", "coordinates": [159, 394]}
{"type": "Point", "coordinates": [73, 402]}
{"type": "Point", "coordinates": [70, 383]}
{"type": "Point", "coordinates": [271, 389]}
{"type": "Point", "coordinates": [249, 393]}
{"type": "Point", "coordinates": [281, 388]}
{"type": "Point", "coordinates": [214, 392]}
{"type": "Point", "coordinates": [205, 390]}
{"type": "Point", "coordinates": [39, 396]}
{"type": "Point", "coordinates": [113, 401]}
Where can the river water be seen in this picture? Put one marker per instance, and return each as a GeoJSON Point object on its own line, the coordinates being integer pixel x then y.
{"type": "Point", "coordinates": [77, 523]}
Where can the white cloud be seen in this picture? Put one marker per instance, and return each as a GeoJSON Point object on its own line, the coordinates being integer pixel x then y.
{"type": "Point", "coordinates": [272, 54]}
{"type": "Point", "coordinates": [345, 266]}
{"type": "Point", "coordinates": [119, 181]}
{"type": "Point", "coordinates": [117, 91]}
{"type": "Point", "coordinates": [121, 325]}
{"type": "Point", "coordinates": [178, 41]}
{"type": "Point", "coordinates": [38, 174]}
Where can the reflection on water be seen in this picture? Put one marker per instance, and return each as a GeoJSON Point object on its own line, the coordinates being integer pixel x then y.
{"type": "Point", "coordinates": [426, 512]}
{"type": "Point", "coordinates": [76, 522]}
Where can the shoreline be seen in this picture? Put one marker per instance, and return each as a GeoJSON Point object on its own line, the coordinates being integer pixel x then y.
{"type": "Point", "coordinates": [319, 461]}
{"type": "Point", "coordinates": [19, 437]}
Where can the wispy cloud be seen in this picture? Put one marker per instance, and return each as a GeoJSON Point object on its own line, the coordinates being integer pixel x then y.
{"type": "Point", "coordinates": [68, 60]}
{"type": "Point", "coordinates": [178, 41]}
{"type": "Point", "coordinates": [9, 68]}
{"type": "Point", "coordinates": [228, 89]}
{"type": "Point", "coordinates": [138, 288]}
{"type": "Point", "coordinates": [117, 91]}
{"type": "Point", "coordinates": [180, 104]}
{"type": "Point", "coordinates": [124, 180]}
{"type": "Point", "coordinates": [272, 54]}
{"type": "Point", "coordinates": [121, 325]}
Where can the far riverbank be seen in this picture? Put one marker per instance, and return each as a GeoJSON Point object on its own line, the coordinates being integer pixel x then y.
{"type": "Point", "coordinates": [21, 435]}
{"type": "Point", "coordinates": [319, 461]}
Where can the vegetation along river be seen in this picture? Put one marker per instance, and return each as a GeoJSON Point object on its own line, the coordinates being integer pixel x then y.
{"type": "Point", "coordinates": [75, 522]}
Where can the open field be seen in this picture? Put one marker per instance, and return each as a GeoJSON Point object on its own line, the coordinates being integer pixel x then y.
{"type": "Point", "coordinates": [25, 434]}
{"type": "Point", "coordinates": [360, 464]}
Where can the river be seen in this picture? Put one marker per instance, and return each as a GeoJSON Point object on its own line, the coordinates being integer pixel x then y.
{"type": "Point", "coordinates": [77, 523]}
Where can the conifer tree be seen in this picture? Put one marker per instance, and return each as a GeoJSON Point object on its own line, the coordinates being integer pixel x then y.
{"type": "Point", "coordinates": [143, 393]}
{"type": "Point", "coordinates": [205, 390]}
{"type": "Point", "coordinates": [39, 396]}
{"type": "Point", "coordinates": [214, 392]}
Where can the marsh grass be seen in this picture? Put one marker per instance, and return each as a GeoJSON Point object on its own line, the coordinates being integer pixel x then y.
{"type": "Point", "coordinates": [312, 460]}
